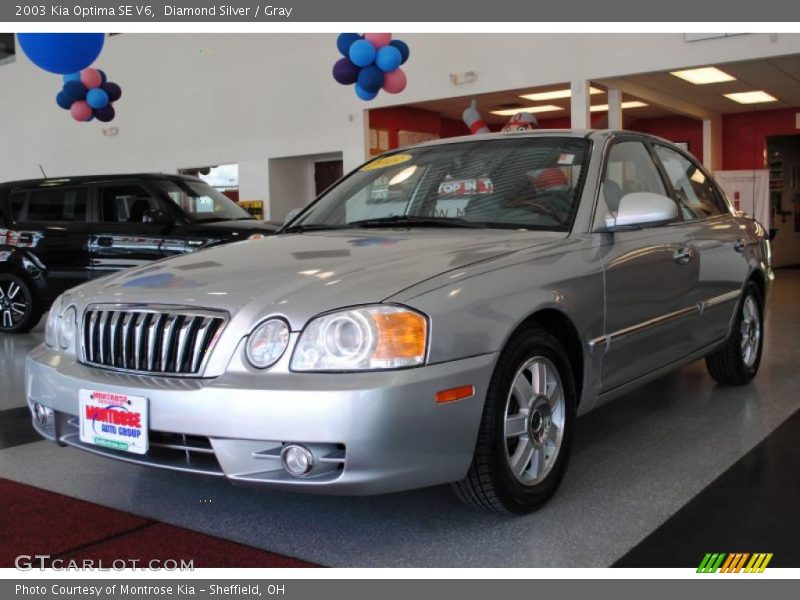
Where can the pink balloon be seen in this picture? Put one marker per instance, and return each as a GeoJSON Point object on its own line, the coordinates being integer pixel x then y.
{"type": "Point", "coordinates": [91, 78]}
{"type": "Point", "coordinates": [394, 82]}
{"type": "Point", "coordinates": [81, 111]}
{"type": "Point", "coordinates": [379, 40]}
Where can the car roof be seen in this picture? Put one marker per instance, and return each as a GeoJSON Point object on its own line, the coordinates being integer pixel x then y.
{"type": "Point", "coordinates": [534, 133]}
{"type": "Point", "coordinates": [86, 179]}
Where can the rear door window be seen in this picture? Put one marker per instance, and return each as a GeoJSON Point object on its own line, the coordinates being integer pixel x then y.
{"type": "Point", "coordinates": [61, 205]}
{"type": "Point", "coordinates": [693, 189]}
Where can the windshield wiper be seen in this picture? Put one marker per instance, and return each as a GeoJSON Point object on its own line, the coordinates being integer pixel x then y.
{"type": "Point", "coordinates": [311, 227]}
{"type": "Point", "coordinates": [416, 221]}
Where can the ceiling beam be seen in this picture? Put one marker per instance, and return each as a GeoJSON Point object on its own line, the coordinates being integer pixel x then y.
{"type": "Point", "coordinates": [659, 99]}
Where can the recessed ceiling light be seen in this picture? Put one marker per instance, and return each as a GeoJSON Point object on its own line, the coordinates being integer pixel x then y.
{"type": "Point", "coordinates": [629, 104]}
{"type": "Point", "coordinates": [704, 75]}
{"type": "Point", "coordinates": [751, 97]}
{"type": "Point", "coordinates": [555, 95]}
{"type": "Point", "coordinates": [526, 109]}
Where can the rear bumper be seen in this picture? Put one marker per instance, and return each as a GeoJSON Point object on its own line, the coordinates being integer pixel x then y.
{"type": "Point", "coordinates": [371, 432]}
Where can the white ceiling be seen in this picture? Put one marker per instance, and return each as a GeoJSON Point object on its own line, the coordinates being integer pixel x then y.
{"type": "Point", "coordinates": [777, 76]}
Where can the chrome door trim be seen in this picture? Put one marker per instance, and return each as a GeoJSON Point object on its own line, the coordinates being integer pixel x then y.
{"type": "Point", "coordinates": [699, 308]}
{"type": "Point", "coordinates": [721, 299]}
{"type": "Point", "coordinates": [632, 329]}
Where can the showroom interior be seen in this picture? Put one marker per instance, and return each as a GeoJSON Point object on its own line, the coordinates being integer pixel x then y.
{"type": "Point", "coordinates": [678, 467]}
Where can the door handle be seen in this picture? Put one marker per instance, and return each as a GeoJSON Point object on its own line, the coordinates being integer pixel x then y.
{"type": "Point", "coordinates": [105, 242]}
{"type": "Point", "coordinates": [739, 245]}
{"type": "Point", "coordinates": [682, 256]}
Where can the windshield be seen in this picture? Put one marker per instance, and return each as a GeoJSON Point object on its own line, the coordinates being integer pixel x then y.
{"type": "Point", "coordinates": [203, 203]}
{"type": "Point", "coordinates": [521, 183]}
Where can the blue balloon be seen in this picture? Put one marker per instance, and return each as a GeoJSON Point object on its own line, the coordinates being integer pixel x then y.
{"type": "Point", "coordinates": [363, 94]}
{"type": "Point", "coordinates": [388, 59]}
{"type": "Point", "coordinates": [97, 98]}
{"type": "Point", "coordinates": [62, 53]}
{"type": "Point", "coordinates": [362, 53]}
{"type": "Point", "coordinates": [370, 79]}
{"type": "Point", "coordinates": [71, 77]}
{"type": "Point", "coordinates": [345, 40]}
{"type": "Point", "coordinates": [403, 48]}
{"type": "Point", "coordinates": [74, 90]}
{"type": "Point", "coordinates": [63, 100]}
{"type": "Point", "coordinates": [102, 75]}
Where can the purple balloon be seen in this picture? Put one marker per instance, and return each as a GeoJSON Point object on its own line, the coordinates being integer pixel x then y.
{"type": "Point", "coordinates": [345, 72]}
{"type": "Point", "coordinates": [105, 114]}
{"type": "Point", "coordinates": [113, 90]}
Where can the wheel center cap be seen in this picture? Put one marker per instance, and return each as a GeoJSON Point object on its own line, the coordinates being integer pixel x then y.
{"type": "Point", "coordinates": [539, 420]}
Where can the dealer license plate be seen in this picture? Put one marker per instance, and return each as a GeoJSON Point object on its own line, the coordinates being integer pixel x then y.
{"type": "Point", "coordinates": [115, 421]}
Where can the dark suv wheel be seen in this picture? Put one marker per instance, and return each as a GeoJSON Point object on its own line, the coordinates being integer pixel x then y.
{"type": "Point", "coordinates": [526, 429]}
{"type": "Point", "coordinates": [20, 310]}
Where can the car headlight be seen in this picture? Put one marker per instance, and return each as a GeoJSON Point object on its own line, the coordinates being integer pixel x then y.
{"type": "Point", "coordinates": [67, 325]}
{"type": "Point", "coordinates": [267, 343]}
{"type": "Point", "coordinates": [50, 330]}
{"type": "Point", "coordinates": [362, 339]}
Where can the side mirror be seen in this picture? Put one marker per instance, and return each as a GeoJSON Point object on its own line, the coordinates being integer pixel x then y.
{"type": "Point", "coordinates": [291, 215]}
{"type": "Point", "coordinates": [639, 209]}
{"type": "Point", "coordinates": [156, 216]}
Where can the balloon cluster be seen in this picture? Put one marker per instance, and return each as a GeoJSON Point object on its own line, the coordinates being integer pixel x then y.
{"type": "Point", "coordinates": [89, 95]}
{"type": "Point", "coordinates": [86, 93]}
{"type": "Point", "coordinates": [371, 62]}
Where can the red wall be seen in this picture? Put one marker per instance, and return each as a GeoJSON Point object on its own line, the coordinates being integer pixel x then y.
{"type": "Point", "coordinates": [674, 128]}
{"type": "Point", "coordinates": [744, 143]}
{"type": "Point", "coordinates": [743, 134]}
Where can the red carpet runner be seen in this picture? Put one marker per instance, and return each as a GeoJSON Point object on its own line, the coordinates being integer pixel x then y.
{"type": "Point", "coordinates": [34, 521]}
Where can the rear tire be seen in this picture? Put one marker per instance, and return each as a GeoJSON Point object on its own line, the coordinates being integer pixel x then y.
{"type": "Point", "coordinates": [20, 309]}
{"type": "Point", "coordinates": [737, 362]}
{"type": "Point", "coordinates": [526, 429]}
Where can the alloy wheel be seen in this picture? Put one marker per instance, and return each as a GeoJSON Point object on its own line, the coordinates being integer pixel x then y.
{"type": "Point", "coordinates": [750, 331]}
{"type": "Point", "coordinates": [534, 420]}
{"type": "Point", "coordinates": [14, 303]}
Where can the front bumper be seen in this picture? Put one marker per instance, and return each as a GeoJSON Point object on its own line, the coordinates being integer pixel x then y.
{"type": "Point", "coordinates": [372, 432]}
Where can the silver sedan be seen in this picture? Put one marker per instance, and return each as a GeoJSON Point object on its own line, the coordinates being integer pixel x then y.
{"type": "Point", "coordinates": [441, 315]}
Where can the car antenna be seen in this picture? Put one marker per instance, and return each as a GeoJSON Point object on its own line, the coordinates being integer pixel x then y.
{"type": "Point", "coordinates": [41, 168]}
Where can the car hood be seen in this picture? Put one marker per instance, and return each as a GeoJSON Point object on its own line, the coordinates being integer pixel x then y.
{"type": "Point", "coordinates": [301, 275]}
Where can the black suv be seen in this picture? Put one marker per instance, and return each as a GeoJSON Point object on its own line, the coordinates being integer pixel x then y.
{"type": "Point", "coordinates": [58, 233]}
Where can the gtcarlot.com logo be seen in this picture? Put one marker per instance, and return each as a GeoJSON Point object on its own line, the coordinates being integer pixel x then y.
{"type": "Point", "coordinates": [738, 562]}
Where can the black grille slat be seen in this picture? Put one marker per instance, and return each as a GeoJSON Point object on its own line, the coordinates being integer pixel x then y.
{"type": "Point", "coordinates": [168, 342]}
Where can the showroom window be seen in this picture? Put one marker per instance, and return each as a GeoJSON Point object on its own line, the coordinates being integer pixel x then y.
{"type": "Point", "coordinates": [629, 169]}
{"type": "Point", "coordinates": [694, 191]}
{"type": "Point", "coordinates": [59, 205]}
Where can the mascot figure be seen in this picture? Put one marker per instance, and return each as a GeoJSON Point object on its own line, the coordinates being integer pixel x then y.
{"type": "Point", "coordinates": [519, 122]}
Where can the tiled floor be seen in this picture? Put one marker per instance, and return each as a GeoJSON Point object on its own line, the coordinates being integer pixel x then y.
{"type": "Point", "coordinates": [636, 462]}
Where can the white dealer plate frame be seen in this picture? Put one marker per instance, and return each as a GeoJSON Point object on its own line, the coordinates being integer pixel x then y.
{"type": "Point", "coordinates": [125, 436]}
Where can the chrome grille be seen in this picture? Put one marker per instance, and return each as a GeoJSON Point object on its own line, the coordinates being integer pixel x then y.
{"type": "Point", "coordinates": [163, 340]}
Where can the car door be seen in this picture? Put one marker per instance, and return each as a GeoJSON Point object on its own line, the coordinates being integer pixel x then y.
{"type": "Point", "coordinates": [650, 276]}
{"type": "Point", "coordinates": [124, 233]}
{"type": "Point", "coordinates": [717, 236]}
{"type": "Point", "coordinates": [53, 219]}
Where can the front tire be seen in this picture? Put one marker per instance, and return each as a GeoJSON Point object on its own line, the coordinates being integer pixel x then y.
{"type": "Point", "coordinates": [20, 310]}
{"type": "Point", "coordinates": [526, 429]}
{"type": "Point", "coordinates": [737, 362]}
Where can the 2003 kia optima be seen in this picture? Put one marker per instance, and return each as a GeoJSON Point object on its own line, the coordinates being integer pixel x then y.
{"type": "Point", "coordinates": [441, 315]}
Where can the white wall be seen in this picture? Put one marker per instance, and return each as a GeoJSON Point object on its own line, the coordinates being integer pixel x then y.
{"type": "Point", "coordinates": [204, 99]}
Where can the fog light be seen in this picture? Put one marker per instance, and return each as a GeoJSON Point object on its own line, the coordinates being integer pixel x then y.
{"type": "Point", "coordinates": [42, 415]}
{"type": "Point", "coordinates": [297, 460]}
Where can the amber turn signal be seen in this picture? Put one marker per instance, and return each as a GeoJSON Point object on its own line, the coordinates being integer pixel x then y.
{"type": "Point", "coordinates": [453, 394]}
